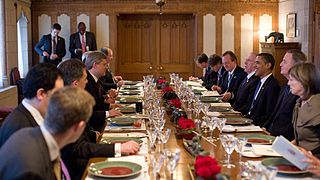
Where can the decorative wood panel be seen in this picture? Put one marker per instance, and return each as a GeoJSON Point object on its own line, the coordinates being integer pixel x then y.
{"type": "Point", "coordinates": [209, 34]}
{"type": "Point", "coordinates": [228, 33]}
{"type": "Point", "coordinates": [246, 36]}
{"type": "Point", "coordinates": [64, 21]}
{"type": "Point", "coordinates": [102, 30]}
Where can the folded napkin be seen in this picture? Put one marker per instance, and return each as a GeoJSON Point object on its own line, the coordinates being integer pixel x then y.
{"type": "Point", "coordinates": [250, 128]}
{"type": "Point", "coordinates": [210, 93]}
{"type": "Point", "coordinates": [131, 134]}
{"type": "Point", "coordinates": [214, 114]}
{"type": "Point", "coordinates": [111, 127]}
{"type": "Point", "coordinates": [265, 150]}
{"type": "Point", "coordinates": [220, 104]}
{"type": "Point", "coordinates": [194, 83]}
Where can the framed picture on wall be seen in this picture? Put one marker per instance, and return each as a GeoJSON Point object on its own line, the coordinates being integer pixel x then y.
{"type": "Point", "coordinates": [291, 25]}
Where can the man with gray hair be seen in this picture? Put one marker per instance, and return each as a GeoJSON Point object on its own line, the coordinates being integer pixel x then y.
{"type": "Point", "coordinates": [34, 153]}
{"type": "Point", "coordinates": [96, 64]}
{"type": "Point", "coordinates": [280, 122]}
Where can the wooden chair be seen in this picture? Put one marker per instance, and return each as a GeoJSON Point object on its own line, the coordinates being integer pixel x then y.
{"type": "Point", "coordinates": [15, 79]}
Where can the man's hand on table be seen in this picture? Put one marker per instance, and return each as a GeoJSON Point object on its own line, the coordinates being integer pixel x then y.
{"type": "Point", "coordinates": [130, 147]}
{"type": "Point", "coordinates": [113, 113]}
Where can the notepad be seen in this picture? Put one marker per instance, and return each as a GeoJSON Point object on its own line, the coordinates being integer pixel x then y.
{"type": "Point", "coordinates": [290, 152]}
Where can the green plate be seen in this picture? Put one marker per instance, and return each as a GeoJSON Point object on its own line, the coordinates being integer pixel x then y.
{"type": "Point", "coordinates": [238, 121]}
{"type": "Point", "coordinates": [209, 99]}
{"type": "Point", "coordinates": [283, 165]}
{"type": "Point", "coordinates": [131, 82]}
{"type": "Point", "coordinates": [121, 121]}
{"type": "Point", "coordinates": [113, 140]}
{"type": "Point", "coordinates": [128, 87]}
{"type": "Point", "coordinates": [197, 91]}
{"type": "Point", "coordinates": [258, 138]}
{"type": "Point", "coordinates": [219, 109]}
{"type": "Point", "coordinates": [131, 92]}
{"type": "Point", "coordinates": [129, 100]}
{"type": "Point", "coordinates": [114, 169]}
{"type": "Point", "coordinates": [126, 110]}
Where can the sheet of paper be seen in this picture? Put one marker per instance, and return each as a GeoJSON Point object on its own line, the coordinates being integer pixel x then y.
{"type": "Point", "coordinates": [220, 104]}
{"type": "Point", "coordinates": [290, 152]}
{"type": "Point", "coordinates": [210, 93]}
{"type": "Point", "coordinates": [264, 150]}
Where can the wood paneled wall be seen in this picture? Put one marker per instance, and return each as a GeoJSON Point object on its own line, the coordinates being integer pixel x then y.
{"type": "Point", "coordinates": [199, 8]}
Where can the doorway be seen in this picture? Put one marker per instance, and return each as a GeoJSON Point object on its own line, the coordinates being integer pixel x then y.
{"type": "Point", "coordinates": [154, 44]}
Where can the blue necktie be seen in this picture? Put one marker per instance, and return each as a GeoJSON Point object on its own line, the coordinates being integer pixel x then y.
{"type": "Point", "coordinates": [254, 96]}
{"type": "Point", "coordinates": [229, 79]}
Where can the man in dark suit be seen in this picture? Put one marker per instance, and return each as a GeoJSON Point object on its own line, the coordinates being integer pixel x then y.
{"type": "Point", "coordinates": [96, 65]}
{"type": "Point", "coordinates": [247, 86]}
{"type": "Point", "coordinates": [76, 155]}
{"type": "Point", "coordinates": [231, 79]}
{"type": "Point", "coordinates": [40, 83]}
{"type": "Point", "coordinates": [266, 92]}
{"type": "Point", "coordinates": [202, 62]}
{"type": "Point", "coordinates": [51, 47]}
{"type": "Point", "coordinates": [280, 122]}
{"type": "Point", "coordinates": [33, 153]}
{"type": "Point", "coordinates": [81, 42]}
{"type": "Point", "coordinates": [215, 63]}
{"type": "Point", "coordinates": [109, 81]}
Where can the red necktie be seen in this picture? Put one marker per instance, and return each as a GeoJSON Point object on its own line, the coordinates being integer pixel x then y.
{"type": "Point", "coordinates": [83, 44]}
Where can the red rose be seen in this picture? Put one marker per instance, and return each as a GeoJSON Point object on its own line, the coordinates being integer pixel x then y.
{"type": "Point", "coordinates": [206, 166]}
{"type": "Point", "coordinates": [160, 81]}
{"type": "Point", "coordinates": [186, 124]}
{"type": "Point", "coordinates": [166, 89]}
{"type": "Point", "coordinates": [175, 102]}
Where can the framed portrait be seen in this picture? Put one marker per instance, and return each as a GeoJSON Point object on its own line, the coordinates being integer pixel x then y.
{"type": "Point", "coordinates": [291, 25]}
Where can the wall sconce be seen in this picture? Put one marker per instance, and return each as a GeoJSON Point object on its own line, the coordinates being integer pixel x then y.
{"type": "Point", "coordinates": [160, 3]}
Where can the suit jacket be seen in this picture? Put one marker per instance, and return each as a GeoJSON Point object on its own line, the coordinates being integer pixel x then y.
{"type": "Point", "coordinates": [220, 75]}
{"type": "Point", "coordinates": [108, 82]}
{"type": "Point", "coordinates": [75, 43]}
{"type": "Point", "coordinates": [245, 93]}
{"type": "Point", "coordinates": [26, 156]}
{"type": "Point", "coordinates": [280, 122]}
{"type": "Point", "coordinates": [19, 118]}
{"type": "Point", "coordinates": [45, 45]}
{"type": "Point", "coordinates": [97, 119]}
{"type": "Point", "coordinates": [237, 78]}
{"type": "Point", "coordinates": [76, 155]}
{"type": "Point", "coordinates": [265, 102]}
{"type": "Point", "coordinates": [212, 79]}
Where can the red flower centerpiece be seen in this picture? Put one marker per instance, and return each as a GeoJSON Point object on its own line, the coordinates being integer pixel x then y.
{"type": "Point", "coordinates": [186, 128]}
{"type": "Point", "coordinates": [175, 103]}
{"type": "Point", "coordinates": [166, 89]}
{"type": "Point", "coordinates": [206, 167]}
{"type": "Point", "coordinates": [162, 83]}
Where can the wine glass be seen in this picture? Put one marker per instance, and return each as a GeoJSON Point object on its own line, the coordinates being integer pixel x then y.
{"type": "Point", "coordinates": [172, 160]}
{"type": "Point", "coordinates": [228, 141]}
{"type": "Point", "coordinates": [164, 136]}
{"type": "Point", "coordinates": [241, 142]}
{"type": "Point", "coordinates": [221, 123]}
{"type": "Point", "coordinates": [212, 126]}
{"type": "Point", "coordinates": [157, 161]}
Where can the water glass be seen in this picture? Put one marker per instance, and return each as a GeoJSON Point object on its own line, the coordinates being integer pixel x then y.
{"type": "Point", "coordinates": [228, 141]}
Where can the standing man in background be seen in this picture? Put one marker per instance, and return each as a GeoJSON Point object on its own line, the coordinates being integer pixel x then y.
{"type": "Point", "coordinates": [51, 47]}
{"type": "Point", "coordinates": [81, 42]}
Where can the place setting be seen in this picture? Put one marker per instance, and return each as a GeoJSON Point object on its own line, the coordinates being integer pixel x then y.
{"type": "Point", "coordinates": [125, 123]}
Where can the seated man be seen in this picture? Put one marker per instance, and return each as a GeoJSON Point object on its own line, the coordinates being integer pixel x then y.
{"type": "Point", "coordinates": [266, 92]}
{"type": "Point", "coordinates": [109, 81]}
{"type": "Point", "coordinates": [215, 63]}
{"type": "Point", "coordinates": [33, 153]}
{"type": "Point", "coordinates": [231, 79]}
{"type": "Point", "coordinates": [247, 86]}
{"type": "Point", "coordinates": [40, 83]}
{"type": "Point", "coordinates": [202, 62]}
{"type": "Point", "coordinates": [280, 122]}
{"type": "Point", "coordinates": [76, 155]}
{"type": "Point", "coordinates": [96, 64]}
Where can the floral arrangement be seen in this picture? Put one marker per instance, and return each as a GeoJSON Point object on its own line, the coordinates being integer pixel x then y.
{"type": "Point", "coordinates": [162, 83]}
{"type": "Point", "coordinates": [207, 167]}
{"type": "Point", "coordinates": [186, 128]}
{"type": "Point", "coordinates": [175, 103]}
{"type": "Point", "coordinates": [166, 89]}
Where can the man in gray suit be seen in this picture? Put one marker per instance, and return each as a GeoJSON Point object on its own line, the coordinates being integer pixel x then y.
{"type": "Point", "coordinates": [40, 83]}
{"type": "Point", "coordinates": [34, 153]}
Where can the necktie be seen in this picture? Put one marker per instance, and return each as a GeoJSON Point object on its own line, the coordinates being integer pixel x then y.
{"type": "Point", "coordinates": [57, 168]}
{"type": "Point", "coordinates": [83, 44]}
{"type": "Point", "coordinates": [64, 170]}
{"type": "Point", "coordinates": [54, 44]}
{"type": "Point", "coordinates": [244, 82]}
{"type": "Point", "coordinates": [229, 79]}
{"type": "Point", "coordinates": [100, 89]}
{"type": "Point", "coordinates": [255, 96]}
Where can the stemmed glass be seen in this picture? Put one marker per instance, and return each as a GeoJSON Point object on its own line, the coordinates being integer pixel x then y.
{"type": "Point", "coordinates": [221, 123]}
{"type": "Point", "coordinates": [172, 160]}
{"type": "Point", "coordinates": [157, 163]}
{"type": "Point", "coordinates": [241, 142]}
{"type": "Point", "coordinates": [205, 109]}
{"type": "Point", "coordinates": [228, 141]}
{"type": "Point", "coordinates": [164, 136]}
{"type": "Point", "coordinates": [212, 126]}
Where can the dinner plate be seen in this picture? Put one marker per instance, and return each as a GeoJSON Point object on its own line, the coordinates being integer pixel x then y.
{"type": "Point", "coordinates": [129, 100]}
{"type": "Point", "coordinates": [131, 92]}
{"type": "Point", "coordinates": [238, 121]}
{"type": "Point", "coordinates": [121, 121]}
{"type": "Point", "coordinates": [209, 99]}
{"type": "Point", "coordinates": [219, 109]}
{"type": "Point", "coordinates": [114, 169]}
{"type": "Point", "coordinates": [113, 140]}
{"type": "Point", "coordinates": [131, 82]}
{"type": "Point", "coordinates": [258, 138]}
{"type": "Point", "coordinates": [126, 110]}
{"type": "Point", "coordinates": [198, 91]}
{"type": "Point", "coordinates": [283, 165]}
